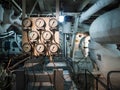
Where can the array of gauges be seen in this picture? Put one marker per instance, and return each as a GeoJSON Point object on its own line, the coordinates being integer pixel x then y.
{"type": "Point", "coordinates": [27, 23]}
{"type": "Point", "coordinates": [26, 47]}
{"type": "Point", "coordinates": [53, 23]}
{"type": "Point", "coordinates": [40, 22]}
{"type": "Point", "coordinates": [47, 35]}
{"type": "Point", "coordinates": [40, 48]}
{"type": "Point", "coordinates": [40, 35]}
{"type": "Point", "coordinates": [33, 36]}
{"type": "Point", "coordinates": [54, 48]}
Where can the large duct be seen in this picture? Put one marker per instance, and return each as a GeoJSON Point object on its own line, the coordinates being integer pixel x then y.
{"type": "Point", "coordinates": [106, 28]}
{"type": "Point", "coordinates": [96, 7]}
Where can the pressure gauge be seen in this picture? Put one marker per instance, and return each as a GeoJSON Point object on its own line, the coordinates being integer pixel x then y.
{"type": "Point", "coordinates": [53, 48]}
{"type": "Point", "coordinates": [47, 35]}
{"type": "Point", "coordinates": [33, 35]}
{"type": "Point", "coordinates": [53, 23]}
{"type": "Point", "coordinates": [39, 22]}
{"type": "Point", "coordinates": [27, 22]}
{"type": "Point", "coordinates": [40, 48]}
{"type": "Point", "coordinates": [26, 47]}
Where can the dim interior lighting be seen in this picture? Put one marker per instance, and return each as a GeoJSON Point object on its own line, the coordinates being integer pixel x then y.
{"type": "Point", "coordinates": [61, 18]}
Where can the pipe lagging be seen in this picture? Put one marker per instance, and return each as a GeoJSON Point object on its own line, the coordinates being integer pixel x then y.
{"type": "Point", "coordinates": [96, 7]}
{"type": "Point", "coordinates": [106, 28]}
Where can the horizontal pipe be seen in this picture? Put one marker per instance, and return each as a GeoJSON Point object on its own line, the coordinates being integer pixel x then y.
{"type": "Point", "coordinates": [96, 7]}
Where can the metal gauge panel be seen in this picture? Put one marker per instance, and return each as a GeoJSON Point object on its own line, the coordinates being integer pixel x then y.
{"type": "Point", "coordinates": [47, 35]}
{"type": "Point", "coordinates": [53, 48]}
{"type": "Point", "coordinates": [53, 23]}
{"type": "Point", "coordinates": [27, 22]}
{"type": "Point", "coordinates": [26, 47]}
{"type": "Point", "coordinates": [40, 48]}
{"type": "Point", "coordinates": [40, 22]}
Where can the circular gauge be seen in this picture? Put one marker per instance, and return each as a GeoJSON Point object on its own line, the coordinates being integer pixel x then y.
{"type": "Point", "coordinates": [39, 22]}
{"type": "Point", "coordinates": [53, 23]}
{"type": "Point", "coordinates": [53, 48]}
{"type": "Point", "coordinates": [40, 48]}
{"type": "Point", "coordinates": [27, 22]}
{"type": "Point", "coordinates": [26, 47]}
{"type": "Point", "coordinates": [33, 35]}
{"type": "Point", "coordinates": [46, 35]}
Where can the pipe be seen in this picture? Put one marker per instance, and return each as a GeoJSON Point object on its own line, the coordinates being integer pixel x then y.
{"type": "Point", "coordinates": [1, 13]}
{"type": "Point", "coordinates": [33, 8]}
{"type": "Point", "coordinates": [17, 5]}
{"type": "Point", "coordinates": [96, 7]}
{"type": "Point", "coordinates": [106, 28]}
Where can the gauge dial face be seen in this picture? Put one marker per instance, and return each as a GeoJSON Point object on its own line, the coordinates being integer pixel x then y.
{"type": "Point", "coordinates": [27, 22]}
{"type": "Point", "coordinates": [40, 48]}
{"type": "Point", "coordinates": [53, 23]}
{"type": "Point", "coordinates": [33, 35]}
{"type": "Point", "coordinates": [53, 48]}
{"type": "Point", "coordinates": [26, 47]}
{"type": "Point", "coordinates": [46, 35]}
{"type": "Point", "coordinates": [39, 22]}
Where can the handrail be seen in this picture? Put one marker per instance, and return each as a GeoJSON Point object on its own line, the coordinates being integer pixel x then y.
{"type": "Point", "coordinates": [97, 80]}
{"type": "Point", "coordinates": [108, 79]}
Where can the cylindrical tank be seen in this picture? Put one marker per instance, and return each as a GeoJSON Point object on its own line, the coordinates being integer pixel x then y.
{"type": "Point", "coordinates": [106, 28]}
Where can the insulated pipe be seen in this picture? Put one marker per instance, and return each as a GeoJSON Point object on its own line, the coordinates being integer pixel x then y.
{"type": "Point", "coordinates": [106, 28]}
{"type": "Point", "coordinates": [96, 7]}
{"type": "Point", "coordinates": [1, 13]}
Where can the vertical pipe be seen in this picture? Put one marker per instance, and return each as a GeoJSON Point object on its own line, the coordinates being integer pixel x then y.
{"type": "Point", "coordinates": [65, 44]}
{"type": "Point", "coordinates": [1, 13]}
{"type": "Point", "coordinates": [23, 8]}
{"type": "Point", "coordinates": [74, 34]}
{"type": "Point", "coordinates": [57, 9]}
{"type": "Point", "coordinates": [23, 16]}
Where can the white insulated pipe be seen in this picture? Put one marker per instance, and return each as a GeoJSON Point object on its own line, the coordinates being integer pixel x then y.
{"type": "Point", "coordinates": [96, 7]}
{"type": "Point", "coordinates": [106, 28]}
{"type": "Point", "coordinates": [1, 13]}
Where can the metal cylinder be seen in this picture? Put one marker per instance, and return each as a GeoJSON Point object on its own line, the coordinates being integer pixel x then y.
{"type": "Point", "coordinates": [106, 28]}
